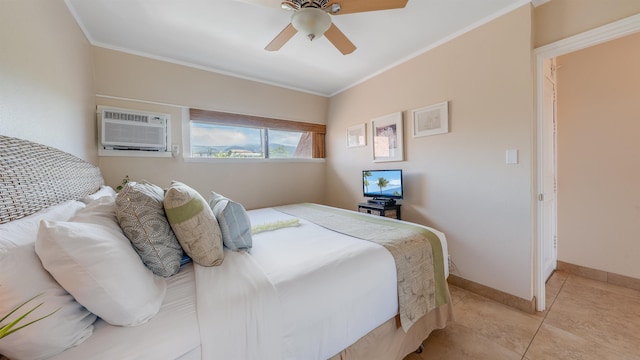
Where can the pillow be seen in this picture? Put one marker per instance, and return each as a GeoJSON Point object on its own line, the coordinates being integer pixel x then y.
{"type": "Point", "coordinates": [234, 222]}
{"type": "Point", "coordinates": [140, 212]}
{"type": "Point", "coordinates": [24, 230]}
{"type": "Point", "coordinates": [23, 277]}
{"type": "Point", "coordinates": [101, 211]}
{"type": "Point", "coordinates": [194, 224]}
{"type": "Point", "coordinates": [103, 191]}
{"type": "Point", "coordinates": [97, 265]}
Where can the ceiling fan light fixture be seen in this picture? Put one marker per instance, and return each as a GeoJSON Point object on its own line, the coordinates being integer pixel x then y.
{"type": "Point", "coordinates": [312, 22]}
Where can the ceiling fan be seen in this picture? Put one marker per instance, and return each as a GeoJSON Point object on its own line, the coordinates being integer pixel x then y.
{"type": "Point", "coordinates": [313, 19]}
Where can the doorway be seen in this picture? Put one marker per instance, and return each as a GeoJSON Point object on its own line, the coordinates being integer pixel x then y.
{"type": "Point", "coordinates": [546, 216]}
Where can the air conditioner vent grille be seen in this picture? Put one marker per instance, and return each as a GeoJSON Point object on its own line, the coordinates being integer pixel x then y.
{"type": "Point", "coordinates": [122, 129]}
{"type": "Point", "coordinates": [114, 115]}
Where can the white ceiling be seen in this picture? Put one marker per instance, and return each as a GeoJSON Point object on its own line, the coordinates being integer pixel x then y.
{"type": "Point", "coordinates": [229, 36]}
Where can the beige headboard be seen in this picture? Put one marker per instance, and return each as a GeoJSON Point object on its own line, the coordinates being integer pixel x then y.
{"type": "Point", "coordinates": [35, 176]}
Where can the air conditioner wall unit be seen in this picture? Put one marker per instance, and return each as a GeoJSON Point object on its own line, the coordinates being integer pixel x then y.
{"type": "Point", "coordinates": [133, 130]}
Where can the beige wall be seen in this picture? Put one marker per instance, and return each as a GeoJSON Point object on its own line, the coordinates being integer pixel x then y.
{"type": "Point", "coordinates": [254, 184]}
{"type": "Point", "coordinates": [46, 82]}
{"type": "Point", "coordinates": [598, 157]}
{"type": "Point", "coordinates": [456, 182]}
{"type": "Point", "coordinates": [559, 19]}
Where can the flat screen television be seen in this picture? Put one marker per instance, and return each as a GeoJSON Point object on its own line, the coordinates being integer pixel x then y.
{"type": "Point", "coordinates": [382, 184]}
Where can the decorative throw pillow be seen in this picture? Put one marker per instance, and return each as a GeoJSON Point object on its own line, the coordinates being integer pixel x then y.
{"type": "Point", "coordinates": [234, 222]}
{"type": "Point", "coordinates": [194, 224]}
{"type": "Point", "coordinates": [140, 212]}
{"type": "Point", "coordinates": [98, 266]}
{"type": "Point", "coordinates": [23, 277]}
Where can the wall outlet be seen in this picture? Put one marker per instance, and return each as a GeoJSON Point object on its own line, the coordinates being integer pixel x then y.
{"type": "Point", "coordinates": [449, 262]}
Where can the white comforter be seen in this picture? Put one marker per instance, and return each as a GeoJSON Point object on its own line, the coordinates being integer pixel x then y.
{"type": "Point", "coordinates": [302, 293]}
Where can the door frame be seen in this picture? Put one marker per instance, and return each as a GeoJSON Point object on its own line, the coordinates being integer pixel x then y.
{"type": "Point", "coordinates": [612, 31]}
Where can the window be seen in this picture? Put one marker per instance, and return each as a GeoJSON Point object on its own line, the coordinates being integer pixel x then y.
{"type": "Point", "coordinates": [224, 135]}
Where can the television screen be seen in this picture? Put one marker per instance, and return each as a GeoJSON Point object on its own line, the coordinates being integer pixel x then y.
{"type": "Point", "coordinates": [386, 184]}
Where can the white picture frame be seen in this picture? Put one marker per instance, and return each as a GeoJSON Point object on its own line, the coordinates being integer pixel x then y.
{"type": "Point", "coordinates": [357, 136]}
{"type": "Point", "coordinates": [431, 120]}
{"type": "Point", "coordinates": [387, 135]}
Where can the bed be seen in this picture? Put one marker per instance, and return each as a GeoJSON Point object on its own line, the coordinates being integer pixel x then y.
{"type": "Point", "coordinates": [305, 290]}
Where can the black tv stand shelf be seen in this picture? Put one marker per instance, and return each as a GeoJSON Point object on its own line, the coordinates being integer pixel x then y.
{"type": "Point", "coordinates": [386, 210]}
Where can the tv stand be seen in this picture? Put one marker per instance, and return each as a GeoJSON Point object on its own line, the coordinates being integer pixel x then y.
{"type": "Point", "coordinates": [386, 210]}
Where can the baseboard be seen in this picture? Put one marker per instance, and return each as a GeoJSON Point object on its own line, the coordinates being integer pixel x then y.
{"type": "Point", "coordinates": [528, 306]}
{"type": "Point", "coordinates": [600, 275]}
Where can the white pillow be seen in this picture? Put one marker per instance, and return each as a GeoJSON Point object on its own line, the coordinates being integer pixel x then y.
{"type": "Point", "coordinates": [25, 230]}
{"type": "Point", "coordinates": [103, 191]}
{"type": "Point", "coordinates": [23, 277]}
{"type": "Point", "coordinates": [101, 211]}
{"type": "Point", "coordinates": [98, 266]}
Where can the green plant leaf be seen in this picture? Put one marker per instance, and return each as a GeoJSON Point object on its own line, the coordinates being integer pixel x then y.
{"type": "Point", "coordinates": [10, 328]}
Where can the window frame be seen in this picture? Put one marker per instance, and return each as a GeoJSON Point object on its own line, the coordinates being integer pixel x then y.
{"type": "Point", "coordinates": [317, 131]}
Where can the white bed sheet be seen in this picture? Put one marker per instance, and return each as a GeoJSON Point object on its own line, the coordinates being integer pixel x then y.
{"type": "Point", "coordinates": [354, 286]}
{"type": "Point", "coordinates": [172, 334]}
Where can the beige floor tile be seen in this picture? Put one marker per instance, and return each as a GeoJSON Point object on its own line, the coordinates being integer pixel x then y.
{"type": "Point", "coordinates": [599, 313]}
{"type": "Point", "coordinates": [554, 284]}
{"type": "Point", "coordinates": [586, 319]}
{"type": "Point", "coordinates": [457, 294]}
{"type": "Point", "coordinates": [501, 324]}
{"type": "Point", "coordinates": [552, 343]}
{"type": "Point", "coordinates": [584, 283]}
{"type": "Point", "coordinates": [457, 342]}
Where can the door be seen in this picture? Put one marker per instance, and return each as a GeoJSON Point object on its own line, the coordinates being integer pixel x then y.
{"type": "Point", "coordinates": [548, 196]}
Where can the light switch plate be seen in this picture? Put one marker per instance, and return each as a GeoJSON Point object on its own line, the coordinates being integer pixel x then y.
{"type": "Point", "coordinates": [512, 157]}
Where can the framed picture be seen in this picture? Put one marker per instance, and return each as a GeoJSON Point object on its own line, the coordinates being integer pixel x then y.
{"type": "Point", "coordinates": [431, 120]}
{"type": "Point", "coordinates": [356, 136]}
{"type": "Point", "coordinates": [387, 138]}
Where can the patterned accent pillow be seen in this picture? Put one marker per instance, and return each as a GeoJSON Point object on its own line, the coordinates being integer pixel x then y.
{"type": "Point", "coordinates": [194, 224]}
{"type": "Point", "coordinates": [140, 213]}
{"type": "Point", "coordinates": [234, 222]}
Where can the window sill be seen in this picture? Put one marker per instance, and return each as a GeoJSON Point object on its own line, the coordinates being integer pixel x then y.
{"type": "Point", "coordinates": [248, 160]}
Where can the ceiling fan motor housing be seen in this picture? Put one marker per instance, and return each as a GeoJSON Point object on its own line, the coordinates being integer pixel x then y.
{"type": "Point", "coordinates": [311, 21]}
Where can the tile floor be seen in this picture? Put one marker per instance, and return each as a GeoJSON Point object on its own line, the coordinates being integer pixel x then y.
{"type": "Point", "coordinates": [585, 320]}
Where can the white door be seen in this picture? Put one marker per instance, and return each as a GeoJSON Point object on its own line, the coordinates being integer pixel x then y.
{"type": "Point", "coordinates": [548, 196]}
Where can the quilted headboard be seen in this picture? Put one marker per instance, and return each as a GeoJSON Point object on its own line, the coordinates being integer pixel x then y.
{"type": "Point", "coordinates": [34, 176]}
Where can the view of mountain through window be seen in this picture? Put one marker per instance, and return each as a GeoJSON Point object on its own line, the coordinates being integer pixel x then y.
{"type": "Point", "coordinates": [225, 141]}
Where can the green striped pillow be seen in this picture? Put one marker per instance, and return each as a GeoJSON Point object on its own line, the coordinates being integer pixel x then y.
{"type": "Point", "coordinates": [194, 224]}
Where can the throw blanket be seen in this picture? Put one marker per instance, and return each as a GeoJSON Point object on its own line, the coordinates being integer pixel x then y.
{"type": "Point", "coordinates": [416, 251]}
{"type": "Point", "coordinates": [238, 310]}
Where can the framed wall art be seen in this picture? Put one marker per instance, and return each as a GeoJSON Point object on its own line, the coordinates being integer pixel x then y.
{"type": "Point", "coordinates": [431, 120]}
{"type": "Point", "coordinates": [357, 135]}
{"type": "Point", "coordinates": [388, 138]}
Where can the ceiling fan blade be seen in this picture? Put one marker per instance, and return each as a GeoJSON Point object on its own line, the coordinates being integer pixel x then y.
{"type": "Point", "coordinates": [354, 6]}
{"type": "Point", "coordinates": [284, 36]}
{"type": "Point", "coordinates": [339, 40]}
